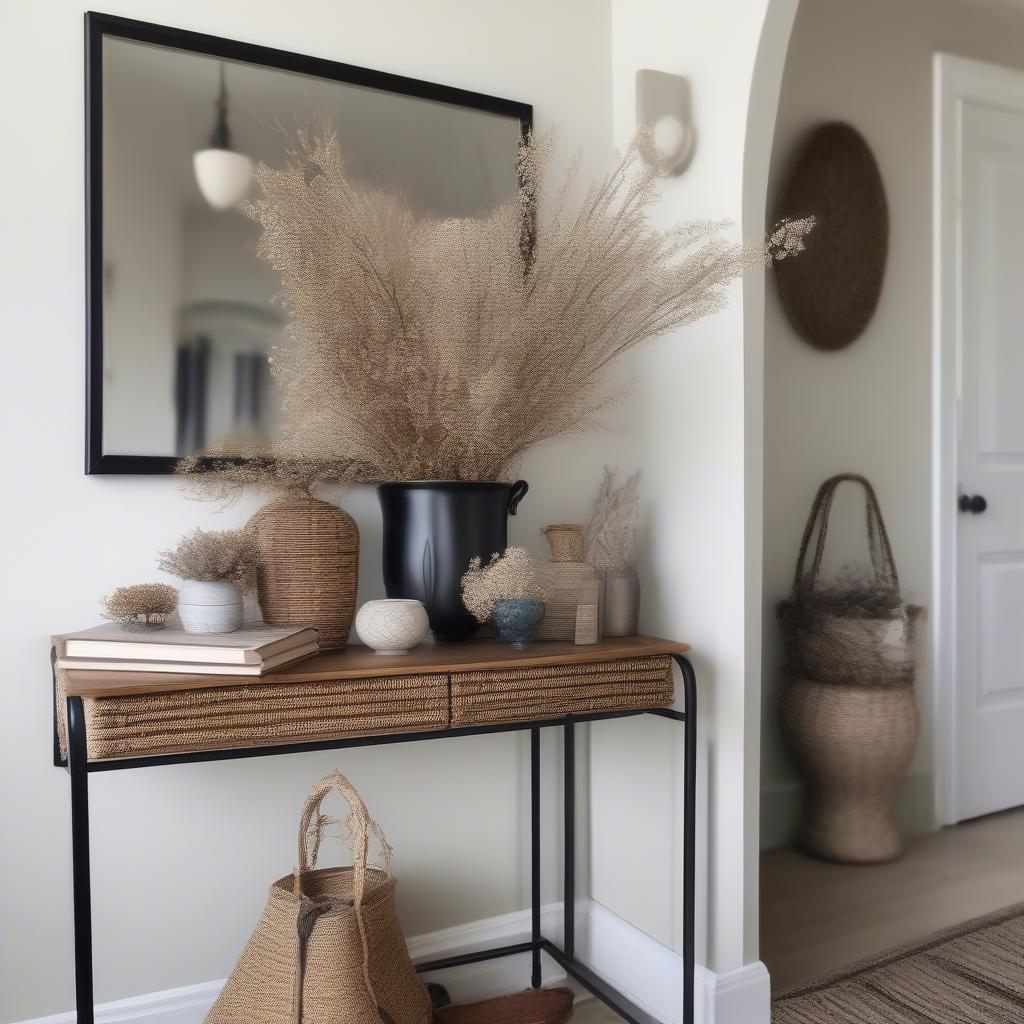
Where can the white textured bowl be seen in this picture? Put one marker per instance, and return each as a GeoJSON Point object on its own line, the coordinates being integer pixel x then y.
{"type": "Point", "coordinates": [209, 606]}
{"type": "Point", "coordinates": [392, 626]}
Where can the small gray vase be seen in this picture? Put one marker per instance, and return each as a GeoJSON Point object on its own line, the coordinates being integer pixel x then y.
{"type": "Point", "coordinates": [517, 619]}
{"type": "Point", "coordinates": [621, 602]}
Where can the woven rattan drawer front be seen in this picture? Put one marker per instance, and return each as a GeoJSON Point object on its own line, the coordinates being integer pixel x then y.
{"type": "Point", "coordinates": [556, 690]}
{"type": "Point", "coordinates": [270, 713]}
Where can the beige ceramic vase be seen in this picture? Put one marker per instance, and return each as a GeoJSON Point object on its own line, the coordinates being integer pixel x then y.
{"type": "Point", "coordinates": [852, 745]}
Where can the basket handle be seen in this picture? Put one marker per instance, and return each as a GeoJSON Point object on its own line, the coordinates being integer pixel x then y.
{"type": "Point", "coordinates": [312, 824]}
{"type": "Point", "coordinates": [879, 546]}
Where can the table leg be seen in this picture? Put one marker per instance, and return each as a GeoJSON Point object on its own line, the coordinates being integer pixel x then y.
{"type": "Point", "coordinates": [81, 894]}
{"type": "Point", "coordinates": [569, 841]}
{"type": "Point", "coordinates": [689, 833]}
{"type": "Point", "coordinates": [535, 976]}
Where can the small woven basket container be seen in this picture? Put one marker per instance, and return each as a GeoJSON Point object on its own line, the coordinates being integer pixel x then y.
{"type": "Point", "coordinates": [539, 1006]}
{"type": "Point", "coordinates": [309, 565]}
{"type": "Point", "coordinates": [565, 541]}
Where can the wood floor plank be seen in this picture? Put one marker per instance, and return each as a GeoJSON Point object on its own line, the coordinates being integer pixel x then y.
{"type": "Point", "coordinates": [817, 918]}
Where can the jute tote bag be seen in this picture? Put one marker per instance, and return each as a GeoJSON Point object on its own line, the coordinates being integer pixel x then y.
{"type": "Point", "coordinates": [328, 948]}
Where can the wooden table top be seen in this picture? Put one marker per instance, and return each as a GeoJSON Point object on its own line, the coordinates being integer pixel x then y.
{"type": "Point", "coordinates": [360, 663]}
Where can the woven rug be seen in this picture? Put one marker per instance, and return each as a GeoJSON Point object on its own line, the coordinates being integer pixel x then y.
{"type": "Point", "coordinates": [970, 974]}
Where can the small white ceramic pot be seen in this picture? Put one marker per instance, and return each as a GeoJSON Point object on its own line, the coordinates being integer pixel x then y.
{"type": "Point", "coordinates": [209, 606]}
{"type": "Point", "coordinates": [392, 626]}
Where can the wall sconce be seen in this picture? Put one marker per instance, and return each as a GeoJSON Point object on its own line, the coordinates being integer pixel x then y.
{"type": "Point", "coordinates": [663, 107]}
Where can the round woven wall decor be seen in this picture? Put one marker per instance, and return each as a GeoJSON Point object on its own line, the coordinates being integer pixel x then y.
{"type": "Point", "coordinates": [831, 291]}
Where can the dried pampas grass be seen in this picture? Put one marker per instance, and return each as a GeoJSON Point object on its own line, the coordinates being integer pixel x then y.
{"type": "Point", "coordinates": [221, 474]}
{"type": "Point", "coordinates": [611, 533]}
{"type": "Point", "coordinates": [422, 348]}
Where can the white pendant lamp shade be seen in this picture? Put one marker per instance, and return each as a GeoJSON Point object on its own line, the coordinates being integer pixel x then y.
{"type": "Point", "coordinates": [222, 176]}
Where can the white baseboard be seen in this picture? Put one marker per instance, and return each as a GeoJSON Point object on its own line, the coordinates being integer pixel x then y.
{"type": "Point", "coordinates": [781, 807]}
{"type": "Point", "coordinates": [646, 972]}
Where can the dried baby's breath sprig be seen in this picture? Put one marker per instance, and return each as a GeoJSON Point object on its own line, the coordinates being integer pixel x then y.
{"type": "Point", "coordinates": [611, 533]}
{"type": "Point", "coordinates": [229, 555]}
{"type": "Point", "coordinates": [423, 348]}
{"type": "Point", "coordinates": [505, 577]}
{"type": "Point", "coordinates": [140, 605]}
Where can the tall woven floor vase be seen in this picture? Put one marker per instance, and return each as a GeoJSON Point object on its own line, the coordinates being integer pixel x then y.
{"type": "Point", "coordinates": [852, 745]}
{"type": "Point", "coordinates": [309, 565]}
{"type": "Point", "coordinates": [847, 712]}
{"type": "Point", "coordinates": [328, 948]}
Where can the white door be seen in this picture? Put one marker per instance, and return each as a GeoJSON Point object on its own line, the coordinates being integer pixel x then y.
{"type": "Point", "coordinates": [987, 506]}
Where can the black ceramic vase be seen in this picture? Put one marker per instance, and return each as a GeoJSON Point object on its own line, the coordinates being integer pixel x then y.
{"type": "Point", "coordinates": [431, 531]}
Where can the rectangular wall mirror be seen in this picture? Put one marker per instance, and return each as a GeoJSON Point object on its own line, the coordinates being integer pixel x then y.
{"type": "Point", "coordinates": [181, 312]}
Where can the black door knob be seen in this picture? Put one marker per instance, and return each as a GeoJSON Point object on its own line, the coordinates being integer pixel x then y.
{"type": "Point", "coordinates": [973, 503]}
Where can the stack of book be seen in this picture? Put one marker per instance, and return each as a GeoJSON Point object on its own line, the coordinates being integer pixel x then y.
{"type": "Point", "coordinates": [250, 651]}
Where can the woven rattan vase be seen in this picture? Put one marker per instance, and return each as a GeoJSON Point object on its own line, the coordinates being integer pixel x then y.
{"type": "Point", "coordinates": [328, 948]}
{"type": "Point", "coordinates": [852, 745]}
{"type": "Point", "coordinates": [309, 565]}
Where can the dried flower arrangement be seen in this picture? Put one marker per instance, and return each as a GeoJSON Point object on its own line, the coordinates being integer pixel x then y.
{"type": "Point", "coordinates": [510, 576]}
{"type": "Point", "coordinates": [229, 555]}
{"type": "Point", "coordinates": [611, 533]}
{"type": "Point", "coordinates": [221, 474]}
{"type": "Point", "coordinates": [443, 349]}
{"type": "Point", "coordinates": [140, 605]}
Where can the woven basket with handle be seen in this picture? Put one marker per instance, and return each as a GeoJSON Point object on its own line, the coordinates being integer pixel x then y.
{"type": "Point", "coordinates": [846, 711]}
{"type": "Point", "coordinates": [309, 565]}
{"type": "Point", "coordinates": [328, 948]}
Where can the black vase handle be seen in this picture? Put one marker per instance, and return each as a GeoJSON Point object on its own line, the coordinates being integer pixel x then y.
{"type": "Point", "coordinates": [516, 495]}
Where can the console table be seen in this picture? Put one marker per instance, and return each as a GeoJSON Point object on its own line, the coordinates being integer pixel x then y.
{"type": "Point", "coordinates": [450, 661]}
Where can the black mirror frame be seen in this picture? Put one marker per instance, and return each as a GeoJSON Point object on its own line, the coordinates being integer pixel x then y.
{"type": "Point", "coordinates": [99, 25]}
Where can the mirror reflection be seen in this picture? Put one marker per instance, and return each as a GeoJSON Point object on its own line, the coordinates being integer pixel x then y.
{"type": "Point", "coordinates": [189, 317]}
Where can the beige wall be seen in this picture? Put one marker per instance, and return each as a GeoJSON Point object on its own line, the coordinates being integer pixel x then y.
{"type": "Point", "coordinates": [183, 855]}
{"type": "Point", "coordinates": [867, 408]}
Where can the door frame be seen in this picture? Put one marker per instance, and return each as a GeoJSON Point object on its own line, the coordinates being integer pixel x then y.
{"type": "Point", "coordinates": [956, 80]}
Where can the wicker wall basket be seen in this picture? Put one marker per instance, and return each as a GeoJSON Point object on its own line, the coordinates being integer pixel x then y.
{"type": "Point", "coordinates": [309, 565]}
{"type": "Point", "coordinates": [852, 745]}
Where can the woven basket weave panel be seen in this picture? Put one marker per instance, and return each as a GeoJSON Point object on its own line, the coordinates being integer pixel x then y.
{"type": "Point", "coordinates": [260, 988]}
{"type": "Point", "coordinates": [215, 718]}
{"type": "Point", "coordinates": [568, 585]}
{"type": "Point", "coordinates": [309, 571]}
{"type": "Point", "coordinates": [553, 691]}
{"type": "Point", "coordinates": [852, 744]}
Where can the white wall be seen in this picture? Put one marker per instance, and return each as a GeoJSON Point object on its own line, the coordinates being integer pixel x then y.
{"type": "Point", "coordinates": [867, 408]}
{"type": "Point", "coordinates": [183, 855]}
{"type": "Point", "coordinates": [699, 431]}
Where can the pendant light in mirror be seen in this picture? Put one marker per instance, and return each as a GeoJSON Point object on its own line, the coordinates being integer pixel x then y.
{"type": "Point", "coordinates": [221, 173]}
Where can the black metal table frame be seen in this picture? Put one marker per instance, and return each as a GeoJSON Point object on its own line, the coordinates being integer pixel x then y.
{"type": "Point", "coordinates": [80, 768]}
